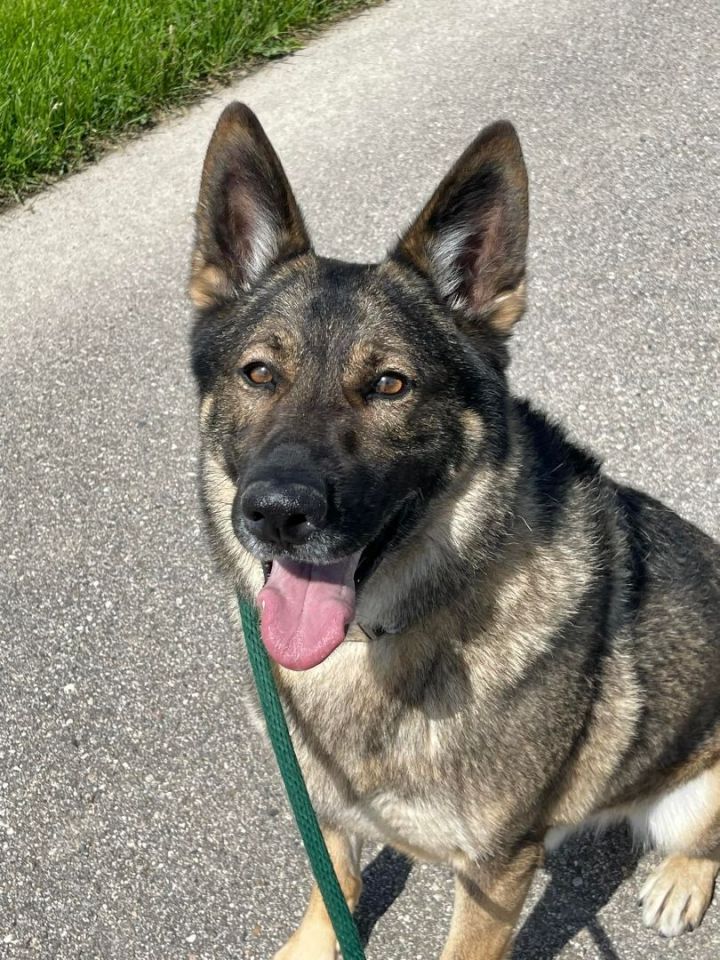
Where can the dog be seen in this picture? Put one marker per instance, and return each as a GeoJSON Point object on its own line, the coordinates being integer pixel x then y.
{"type": "Point", "coordinates": [481, 641]}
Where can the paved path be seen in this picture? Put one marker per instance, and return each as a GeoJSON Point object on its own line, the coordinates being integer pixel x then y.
{"type": "Point", "coordinates": [140, 816]}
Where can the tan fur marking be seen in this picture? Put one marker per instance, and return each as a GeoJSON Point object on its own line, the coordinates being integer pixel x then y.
{"type": "Point", "coordinates": [615, 717]}
{"type": "Point", "coordinates": [474, 432]}
{"type": "Point", "coordinates": [206, 408]}
{"type": "Point", "coordinates": [678, 893]}
{"type": "Point", "coordinates": [209, 285]}
{"type": "Point", "coordinates": [507, 309]}
{"type": "Point", "coordinates": [314, 939]}
{"type": "Point", "coordinates": [275, 343]}
{"type": "Point", "coordinates": [220, 493]}
{"type": "Point", "coordinates": [488, 903]}
{"type": "Point", "coordinates": [368, 357]}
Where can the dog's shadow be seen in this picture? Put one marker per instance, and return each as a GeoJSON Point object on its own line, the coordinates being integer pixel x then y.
{"type": "Point", "coordinates": [384, 879]}
{"type": "Point", "coordinates": [583, 875]}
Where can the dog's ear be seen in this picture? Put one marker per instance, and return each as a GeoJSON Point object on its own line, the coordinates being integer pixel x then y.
{"type": "Point", "coordinates": [471, 237]}
{"type": "Point", "coordinates": [247, 218]}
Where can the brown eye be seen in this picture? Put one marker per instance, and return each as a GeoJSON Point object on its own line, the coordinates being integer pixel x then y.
{"type": "Point", "coordinates": [390, 385]}
{"type": "Point", "coordinates": [258, 374]}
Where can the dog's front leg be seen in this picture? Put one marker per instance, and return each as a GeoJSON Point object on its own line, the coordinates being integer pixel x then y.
{"type": "Point", "coordinates": [488, 901]}
{"type": "Point", "coordinates": [314, 939]}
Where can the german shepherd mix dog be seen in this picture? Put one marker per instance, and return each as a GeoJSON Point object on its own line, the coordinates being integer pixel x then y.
{"type": "Point", "coordinates": [482, 642]}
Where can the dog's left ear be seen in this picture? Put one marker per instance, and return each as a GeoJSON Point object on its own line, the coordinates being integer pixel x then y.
{"type": "Point", "coordinates": [471, 237]}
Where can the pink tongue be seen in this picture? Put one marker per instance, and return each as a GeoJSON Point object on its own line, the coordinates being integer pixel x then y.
{"type": "Point", "coordinates": [305, 610]}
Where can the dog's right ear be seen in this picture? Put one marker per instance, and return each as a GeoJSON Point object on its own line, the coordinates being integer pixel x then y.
{"type": "Point", "coordinates": [247, 218]}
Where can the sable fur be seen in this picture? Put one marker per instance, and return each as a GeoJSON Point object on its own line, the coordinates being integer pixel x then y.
{"type": "Point", "coordinates": [546, 646]}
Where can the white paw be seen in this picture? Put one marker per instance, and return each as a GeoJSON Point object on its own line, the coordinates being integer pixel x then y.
{"type": "Point", "coordinates": [677, 894]}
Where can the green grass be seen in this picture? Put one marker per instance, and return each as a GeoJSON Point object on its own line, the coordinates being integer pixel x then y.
{"type": "Point", "coordinates": [75, 74]}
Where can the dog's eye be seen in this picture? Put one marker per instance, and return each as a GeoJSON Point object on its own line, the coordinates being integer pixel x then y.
{"type": "Point", "coordinates": [390, 385]}
{"type": "Point", "coordinates": [258, 374]}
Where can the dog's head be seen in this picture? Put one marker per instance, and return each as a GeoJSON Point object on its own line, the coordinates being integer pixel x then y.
{"type": "Point", "coordinates": [339, 400]}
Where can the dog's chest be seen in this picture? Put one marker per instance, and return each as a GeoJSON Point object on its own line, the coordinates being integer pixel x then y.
{"type": "Point", "coordinates": [377, 762]}
{"type": "Point", "coordinates": [432, 828]}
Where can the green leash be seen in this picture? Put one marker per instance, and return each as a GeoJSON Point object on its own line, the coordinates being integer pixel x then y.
{"type": "Point", "coordinates": [343, 924]}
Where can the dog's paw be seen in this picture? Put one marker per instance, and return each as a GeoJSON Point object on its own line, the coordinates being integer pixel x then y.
{"type": "Point", "coordinates": [676, 895]}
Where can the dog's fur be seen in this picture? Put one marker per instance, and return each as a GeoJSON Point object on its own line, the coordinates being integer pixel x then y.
{"type": "Point", "coordinates": [538, 647]}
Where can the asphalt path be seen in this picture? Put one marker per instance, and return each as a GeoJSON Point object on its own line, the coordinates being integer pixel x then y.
{"type": "Point", "coordinates": [140, 817]}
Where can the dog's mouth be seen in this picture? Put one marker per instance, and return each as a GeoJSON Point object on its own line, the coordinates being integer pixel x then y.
{"type": "Point", "coordinates": [306, 608]}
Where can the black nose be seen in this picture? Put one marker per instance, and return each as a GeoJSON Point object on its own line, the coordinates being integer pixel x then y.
{"type": "Point", "coordinates": [283, 513]}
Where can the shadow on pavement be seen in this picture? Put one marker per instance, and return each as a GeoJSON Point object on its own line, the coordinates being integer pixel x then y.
{"type": "Point", "coordinates": [384, 879]}
{"type": "Point", "coordinates": [584, 874]}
